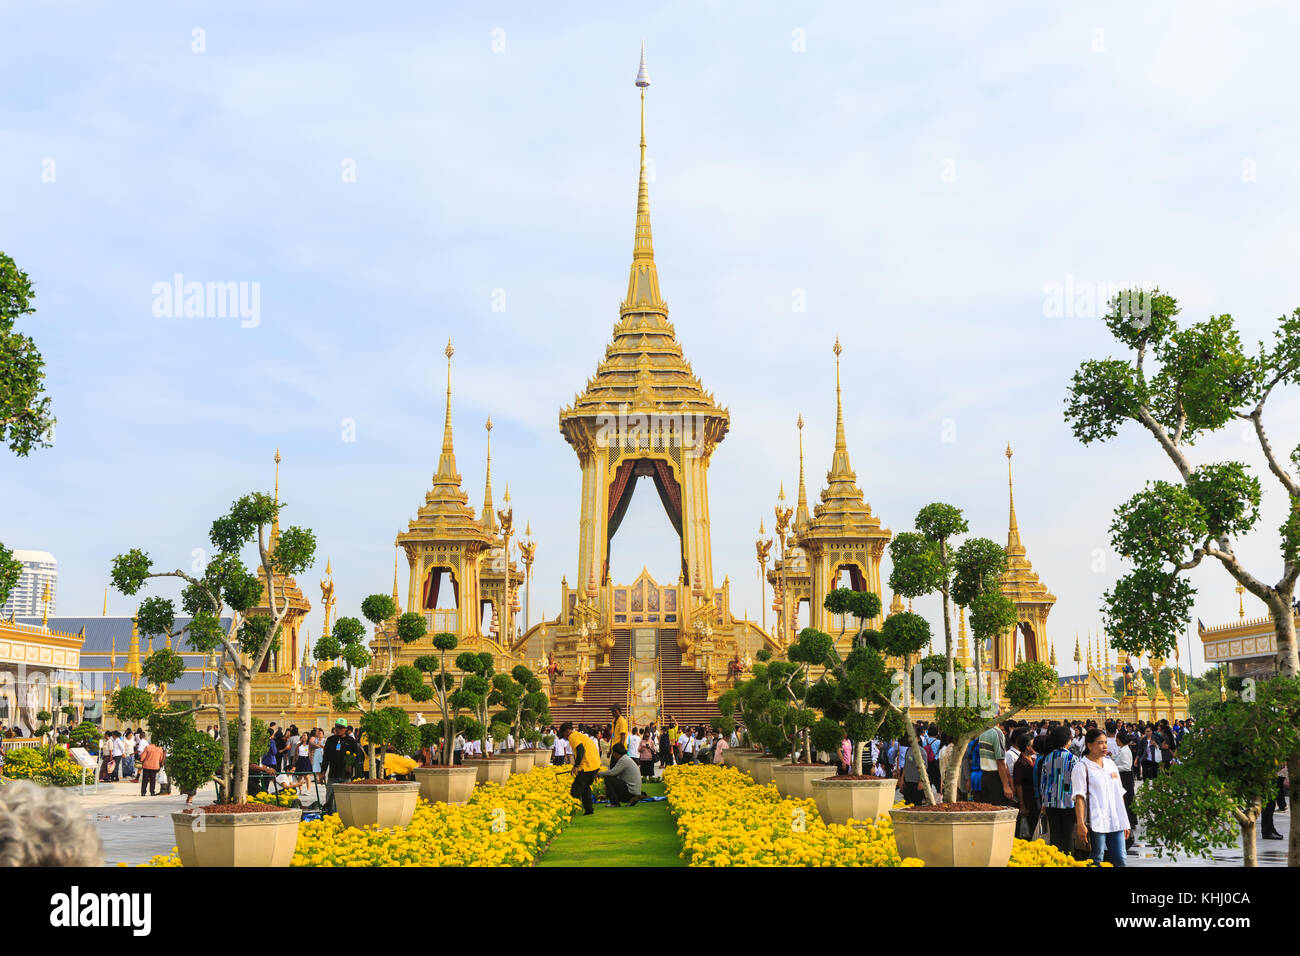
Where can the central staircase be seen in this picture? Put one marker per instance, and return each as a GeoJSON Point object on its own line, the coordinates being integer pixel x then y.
{"type": "Point", "coordinates": [606, 685]}
{"type": "Point", "coordinates": [681, 688]}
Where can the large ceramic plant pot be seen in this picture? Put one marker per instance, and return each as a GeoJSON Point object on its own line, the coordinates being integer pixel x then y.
{"type": "Point", "coordinates": [541, 756]}
{"type": "Point", "coordinates": [796, 779]}
{"type": "Point", "coordinates": [491, 769]}
{"type": "Point", "coordinates": [840, 800]}
{"type": "Point", "coordinates": [744, 761]}
{"type": "Point", "coordinates": [378, 803]}
{"type": "Point", "coordinates": [522, 761]}
{"type": "Point", "coordinates": [762, 767]}
{"type": "Point", "coordinates": [263, 837]}
{"type": "Point", "coordinates": [452, 785]}
{"type": "Point", "coordinates": [955, 837]}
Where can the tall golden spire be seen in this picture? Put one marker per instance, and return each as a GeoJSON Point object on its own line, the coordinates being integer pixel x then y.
{"type": "Point", "coordinates": [1013, 530]}
{"type": "Point", "coordinates": [963, 644]}
{"type": "Point", "coordinates": [643, 279]}
{"type": "Point", "coordinates": [801, 511]}
{"type": "Point", "coordinates": [105, 614]}
{"type": "Point", "coordinates": [489, 511]}
{"type": "Point", "coordinates": [447, 460]}
{"type": "Point", "coordinates": [275, 521]}
{"type": "Point", "coordinates": [45, 599]}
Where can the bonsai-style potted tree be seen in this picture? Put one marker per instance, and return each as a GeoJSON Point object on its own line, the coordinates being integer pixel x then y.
{"type": "Point", "coordinates": [447, 782]}
{"type": "Point", "coordinates": [774, 704]}
{"type": "Point", "coordinates": [813, 648]}
{"type": "Point", "coordinates": [854, 704]}
{"type": "Point", "coordinates": [476, 697]}
{"type": "Point", "coordinates": [228, 836]}
{"type": "Point", "coordinates": [376, 801]}
{"type": "Point", "coordinates": [523, 708]}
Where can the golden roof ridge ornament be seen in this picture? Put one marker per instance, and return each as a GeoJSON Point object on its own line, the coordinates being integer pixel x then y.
{"type": "Point", "coordinates": [275, 520]}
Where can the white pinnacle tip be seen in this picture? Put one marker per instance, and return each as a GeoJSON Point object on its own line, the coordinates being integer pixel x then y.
{"type": "Point", "coordinates": [643, 75]}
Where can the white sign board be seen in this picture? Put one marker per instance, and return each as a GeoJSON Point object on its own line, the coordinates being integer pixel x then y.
{"type": "Point", "coordinates": [83, 758]}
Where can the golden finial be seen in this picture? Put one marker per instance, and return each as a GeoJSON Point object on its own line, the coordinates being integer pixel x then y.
{"type": "Point", "coordinates": [506, 499]}
{"type": "Point", "coordinates": [840, 443]}
{"type": "Point", "coordinates": [761, 530]}
{"type": "Point", "coordinates": [45, 616]}
{"type": "Point", "coordinates": [1241, 604]}
{"type": "Point", "coordinates": [105, 614]}
{"type": "Point", "coordinates": [780, 495]}
{"type": "Point", "coordinates": [1052, 657]}
{"type": "Point", "coordinates": [528, 529]}
{"type": "Point", "coordinates": [1078, 656]}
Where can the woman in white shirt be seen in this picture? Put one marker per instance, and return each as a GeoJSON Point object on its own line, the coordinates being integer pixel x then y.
{"type": "Point", "coordinates": [1100, 818]}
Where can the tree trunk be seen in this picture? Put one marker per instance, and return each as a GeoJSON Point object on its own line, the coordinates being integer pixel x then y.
{"type": "Point", "coordinates": [914, 748]}
{"type": "Point", "coordinates": [1249, 848]}
{"type": "Point", "coordinates": [374, 764]}
{"type": "Point", "coordinates": [1288, 666]}
{"type": "Point", "coordinates": [223, 724]}
{"type": "Point", "coordinates": [240, 784]}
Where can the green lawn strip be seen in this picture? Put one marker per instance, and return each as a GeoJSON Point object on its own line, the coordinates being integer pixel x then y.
{"type": "Point", "coordinates": [644, 835]}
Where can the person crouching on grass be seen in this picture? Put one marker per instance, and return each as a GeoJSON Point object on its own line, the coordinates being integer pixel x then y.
{"type": "Point", "coordinates": [586, 764]}
{"type": "Point", "coordinates": [622, 779]}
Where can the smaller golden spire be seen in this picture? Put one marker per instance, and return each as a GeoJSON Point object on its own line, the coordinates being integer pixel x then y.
{"type": "Point", "coordinates": [801, 512]}
{"type": "Point", "coordinates": [396, 559]}
{"type": "Point", "coordinates": [1078, 657]}
{"type": "Point", "coordinates": [105, 614]}
{"type": "Point", "coordinates": [45, 598]}
{"type": "Point", "coordinates": [1013, 529]}
{"type": "Point", "coordinates": [963, 643]}
{"type": "Point", "coordinates": [275, 519]}
{"type": "Point", "coordinates": [1052, 657]}
{"type": "Point", "coordinates": [1241, 603]}
{"type": "Point", "coordinates": [489, 511]}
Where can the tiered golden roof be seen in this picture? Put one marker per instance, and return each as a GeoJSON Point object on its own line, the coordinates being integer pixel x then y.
{"type": "Point", "coordinates": [644, 369]}
{"type": "Point", "coordinates": [285, 587]}
{"type": "Point", "coordinates": [446, 513]}
{"type": "Point", "coordinates": [1020, 582]}
{"type": "Point", "coordinates": [843, 511]}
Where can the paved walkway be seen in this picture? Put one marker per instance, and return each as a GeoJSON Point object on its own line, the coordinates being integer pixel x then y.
{"type": "Point", "coordinates": [134, 828]}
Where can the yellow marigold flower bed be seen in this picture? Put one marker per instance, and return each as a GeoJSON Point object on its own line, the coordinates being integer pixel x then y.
{"type": "Point", "coordinates": [725, 819]}
{"type": "Point", "coordinates": [1039, 853]}
{"type": "Point", "coordinates": [500, 826]}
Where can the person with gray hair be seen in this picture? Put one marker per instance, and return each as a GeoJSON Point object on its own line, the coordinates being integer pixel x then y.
{"type": "Point", "coordinates": [43, 826]}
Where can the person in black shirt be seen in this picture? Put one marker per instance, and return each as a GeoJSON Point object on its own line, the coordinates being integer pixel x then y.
{"type": "Point", "coordinates": [337, 747]}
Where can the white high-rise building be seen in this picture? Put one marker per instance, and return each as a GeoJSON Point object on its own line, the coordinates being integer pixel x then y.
{"type": "Point", "coordinates": [28, 598]}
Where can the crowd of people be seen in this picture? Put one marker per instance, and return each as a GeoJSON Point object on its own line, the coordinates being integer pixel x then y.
{"type": "Point", "coordinates": [1073, 783]}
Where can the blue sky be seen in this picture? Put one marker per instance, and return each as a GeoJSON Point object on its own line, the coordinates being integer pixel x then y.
{"type": "Point", "coordinates": [917, 176]}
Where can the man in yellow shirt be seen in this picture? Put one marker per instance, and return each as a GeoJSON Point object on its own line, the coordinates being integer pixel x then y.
{"type": "Point", "coordinates": [586, 764]}
{"type": "Point", "coordinates": [619, 733]}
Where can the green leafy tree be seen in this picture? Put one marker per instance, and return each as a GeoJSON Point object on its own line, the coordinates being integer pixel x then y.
{"type": "Point", "coordinates": [1226, 771]}
{"type": "Point", "coordinates": [131, 705]}
{"type": "Point", "coordinates": [225, 583]}
{"type": "Point", "coordinates": [85, 734]}
{"type": "Point", "coordinates": [774, 700]}
{"type": "Point", "coordinates": [854, 684]}
{"type": "Point", "coordinates": [452, 700]}
{"type": "Point", "coordinates": [475, 694]}
{"type": "Point", "coordinates": [381, 727]}
{"type": "Point", "coordinates": [1184, 382]}
{"type": "Point", "coordinates": [168, 725]}
{"type": "Point", "coordinates": [10, 572]}
{"type": "Point", "coordinates": [194, 759]}
{"type": "Point", "coordinates": [923, 561]}
{"type": "Point", "coordinates": [25, 419]}
{"type": "Point", "coordinates": [904, 635]}
{"type": "Point", "coordinates": [524, 707]}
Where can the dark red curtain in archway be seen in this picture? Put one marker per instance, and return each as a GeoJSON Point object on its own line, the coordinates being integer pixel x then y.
{"type": "Point", "coordinates": [622, 487]}
{"type": "Point", "coordinates": [431, 587]}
